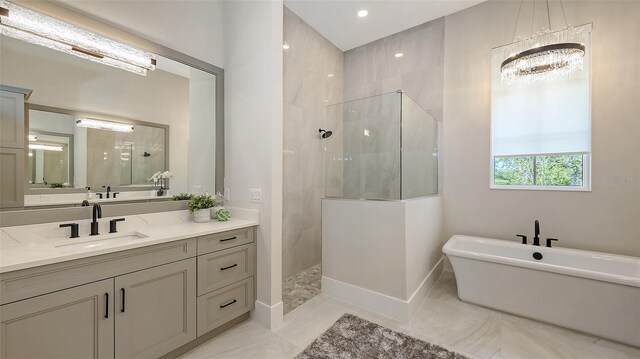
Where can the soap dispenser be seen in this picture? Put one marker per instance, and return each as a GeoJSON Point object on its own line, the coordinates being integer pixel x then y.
{"type": "Point", "coordinates": [89, 195]}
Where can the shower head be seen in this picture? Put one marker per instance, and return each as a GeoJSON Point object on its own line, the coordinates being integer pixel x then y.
{"type": "Point", "coordinates": [325, 134]}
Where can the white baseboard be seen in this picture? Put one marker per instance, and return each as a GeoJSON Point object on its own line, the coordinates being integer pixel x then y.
{"type": "Point", "coordinates": [269, 316]}
{"type": "Point", "coordinates": [401, 310]}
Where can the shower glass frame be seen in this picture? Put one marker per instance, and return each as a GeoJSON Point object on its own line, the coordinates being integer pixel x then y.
{"type": "Point", "coordinates": [383, 147]}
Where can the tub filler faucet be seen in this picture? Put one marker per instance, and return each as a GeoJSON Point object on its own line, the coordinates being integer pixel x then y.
{"type": "Point", "coordinates": [536, 237]}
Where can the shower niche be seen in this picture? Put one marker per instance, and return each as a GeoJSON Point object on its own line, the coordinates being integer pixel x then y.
{"type": "Point", "coordinates": [383, 147]}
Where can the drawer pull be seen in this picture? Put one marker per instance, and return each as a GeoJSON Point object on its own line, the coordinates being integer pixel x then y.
{"type": "Point", "coordinates": [229, 267]}
{"type": "Point", "coordinates": [228, 304]}
{"type": "Point", "coordinates": [228, 239]}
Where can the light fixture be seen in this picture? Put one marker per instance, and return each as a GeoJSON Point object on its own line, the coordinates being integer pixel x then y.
{"type": "Point", "coordinates": [285, 46]}
{"type": "Point", "coordinates": [104, 125]}
{"type": "Point", "coordinates": [398, 54]}
{"type": "Point", "coordinates": [330, 75]}
{"type": "Point", "coordinates": [363, 13]}
{"type": "Point", "coordinates": [33, 138]}
{"type": "Point", "coordinates": [33, 146]}
{"type": "Point", "coordinates": [36, 28]}
{"type": "Point", "coordinates": [544, 56]}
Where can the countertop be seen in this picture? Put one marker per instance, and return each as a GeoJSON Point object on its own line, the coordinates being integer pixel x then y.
{"type": "Point", "coordinates": [23, 247]}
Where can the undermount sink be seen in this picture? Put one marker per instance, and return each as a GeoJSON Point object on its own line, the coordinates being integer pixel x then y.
{"type": "Point", "coordinates": [100, 241]}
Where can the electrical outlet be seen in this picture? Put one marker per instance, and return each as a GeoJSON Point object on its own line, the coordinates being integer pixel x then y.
{"type": "Point", "coordinates": [255, 195]}
{"type": "Point", "coordinates": [227, 194]}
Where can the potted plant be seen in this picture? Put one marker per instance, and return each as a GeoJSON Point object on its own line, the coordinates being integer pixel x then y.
{"type": "Point", "coordinates": [199, 206]}
{"type": "Point", "coordinates": [161, 182]}
{"type": "Point", "coordinates": [182, 197]}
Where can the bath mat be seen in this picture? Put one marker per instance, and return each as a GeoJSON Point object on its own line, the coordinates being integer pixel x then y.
{"type": "Point", "coordinates": [352, 337]}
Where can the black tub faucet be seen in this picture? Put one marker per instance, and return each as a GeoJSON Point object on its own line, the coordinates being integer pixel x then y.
{"type": "Point", "coordinates": [97, 213]}
{"type": "Point", "coordinates": [536, 237]}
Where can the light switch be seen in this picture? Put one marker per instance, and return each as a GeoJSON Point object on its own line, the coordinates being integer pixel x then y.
{"type": "Point", "coordinates": [255, 195]}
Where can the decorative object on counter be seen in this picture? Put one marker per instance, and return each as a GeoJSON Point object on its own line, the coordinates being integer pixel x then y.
{"type": "Point", "coordinates": [182, 197]}
{"type": "Point", "coordinates": [89, 195]}
{"type": "Point", "coordinates": [161, 182]}
{"type": "Point", "coordinates": [543, 56]}
{"type": "Point", "coordinates": [199, 206]}
{"type": "Point", "coordinates": [219, 200]}
{"type": "Point", "coordinates": [58, 185]}
{"type": "Point", "coordinates": [223, 215]}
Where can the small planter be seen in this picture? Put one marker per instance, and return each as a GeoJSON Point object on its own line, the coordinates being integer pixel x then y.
{"type": "Point", "coordinates": [202, 215]}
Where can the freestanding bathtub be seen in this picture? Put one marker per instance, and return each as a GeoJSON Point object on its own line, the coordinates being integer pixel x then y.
{"type": "Point", "coordinates": [595, 293]}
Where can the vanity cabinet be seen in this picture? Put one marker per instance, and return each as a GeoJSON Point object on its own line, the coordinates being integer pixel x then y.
{"type": "Point", "coordinates": [72, 323]}
{"type": "Point", "coordinates": [155, 310]}
{"type": "Point", "coordinates": [138, 303]}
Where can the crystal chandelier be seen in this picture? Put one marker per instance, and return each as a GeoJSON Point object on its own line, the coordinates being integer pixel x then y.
{"type": "Point", "coordinates": [544, 56]}
{"type": "Point", "coordinates": [36, 28]}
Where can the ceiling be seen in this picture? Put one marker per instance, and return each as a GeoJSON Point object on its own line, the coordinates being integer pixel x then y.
{"type": "Point", "coordinates": [337, 20]}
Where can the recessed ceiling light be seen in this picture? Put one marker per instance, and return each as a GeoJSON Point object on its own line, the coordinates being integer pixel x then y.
{"type": "Point", "coordinates": [330, 75]}
{"type": "Point", "coordinates": [399, 54]}
{"type": "Point", "coordinates": [363, 13]}
{"type": "Point", "coordinates": [285, 46]}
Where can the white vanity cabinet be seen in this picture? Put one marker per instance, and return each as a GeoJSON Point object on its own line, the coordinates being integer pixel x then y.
{"type": "Point", "coordinates": [138, 303]}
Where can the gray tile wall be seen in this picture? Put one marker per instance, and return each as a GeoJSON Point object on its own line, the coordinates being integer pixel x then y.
{"type": "Point", "coordinates": [308, 89]}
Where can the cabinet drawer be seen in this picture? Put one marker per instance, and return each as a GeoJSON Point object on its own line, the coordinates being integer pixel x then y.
{"type": "Point", "coordinates": [219, 241]}
{"type": "Point", "coordinates": [219, 307]}
{"type": "Point", "coordinates": [218, 269]}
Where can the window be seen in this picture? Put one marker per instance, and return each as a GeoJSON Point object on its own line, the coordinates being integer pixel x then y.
{"type": "Point", "coordinates": [541, 132]}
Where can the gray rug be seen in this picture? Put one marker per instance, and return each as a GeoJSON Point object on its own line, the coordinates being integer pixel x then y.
{"type": "Point", "coordinates": [352, 337]}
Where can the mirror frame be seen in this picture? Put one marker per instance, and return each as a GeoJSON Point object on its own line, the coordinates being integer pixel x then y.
{"type": "Point", "coordinates": [98, 116]}
{"type": "Point", "coordinates": [101, 27]}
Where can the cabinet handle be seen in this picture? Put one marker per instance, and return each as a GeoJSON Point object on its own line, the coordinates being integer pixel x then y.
{"type": "Point", "coordinates": [106, 305]}
{"type": "Point", "coordinates": [229, 267]}
{"type": "Point", "coordinates": [123, 294]}
{"type": "Point", "coordinates": [228, 239]}
{"type": "Point", "coordinates": [228, 304]}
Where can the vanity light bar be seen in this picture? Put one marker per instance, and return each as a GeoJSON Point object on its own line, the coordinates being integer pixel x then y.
{"type": "Point", "coordinates": [34, 146]}
{"type": "Point", "coordinates": [104, 125]}
{"type": "Point", "coordinates": [30, 26]}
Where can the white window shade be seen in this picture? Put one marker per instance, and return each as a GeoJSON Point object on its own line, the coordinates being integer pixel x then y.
{"type": "Point", "coordinates": [551, 117]}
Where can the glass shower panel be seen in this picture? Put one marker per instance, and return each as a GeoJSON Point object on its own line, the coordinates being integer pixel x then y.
{"type": "Point", "coordinates": [363, 158]}
{"type": "Point", "coordinates": [419, 151]}
{"type": "Point", "coordinates": [382, 148]}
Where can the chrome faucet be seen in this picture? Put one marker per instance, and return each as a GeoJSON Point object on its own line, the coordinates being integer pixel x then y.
{"type": "Point", "coordinates": [536, 237]}
{"type": "Point", "coordinates": [97, 213]}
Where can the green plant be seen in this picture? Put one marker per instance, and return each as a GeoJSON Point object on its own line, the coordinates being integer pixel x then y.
{"type": "Point", "coordinates": [182, 197]}
{"type": "Point", "coordinates": [56, 185]}
{"type": "Point", "coordinates": [202, 201]}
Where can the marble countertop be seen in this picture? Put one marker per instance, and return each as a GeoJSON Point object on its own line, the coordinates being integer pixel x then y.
{"type": "Point", "coordinates": [29, 246]}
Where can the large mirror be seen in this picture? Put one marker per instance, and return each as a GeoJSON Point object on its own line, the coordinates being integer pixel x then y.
{"type": "Point", "coordinates": [97, 126]}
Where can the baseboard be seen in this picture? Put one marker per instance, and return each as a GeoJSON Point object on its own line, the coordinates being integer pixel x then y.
{"type": "Point", "coordinates": [401, 310]}
{"type": "Point", "coordinates": [269, 316]}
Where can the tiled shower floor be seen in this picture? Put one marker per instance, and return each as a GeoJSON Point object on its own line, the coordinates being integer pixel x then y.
{"type": "Point", "coordinates": [298, 289]}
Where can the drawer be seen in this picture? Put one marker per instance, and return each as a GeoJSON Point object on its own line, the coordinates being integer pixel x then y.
{"type": "Point", "coordinates": [219, 241]}
{"type": "Point", "coordinates": [218, 269]}
{"type": "Point", "coordinates": [225, 304]}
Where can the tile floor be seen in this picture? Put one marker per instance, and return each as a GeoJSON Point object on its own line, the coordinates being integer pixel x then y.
{"type": "Point", "coordinates": [300, 288]}
{"type": "Point", "coordinates": [443, 319]}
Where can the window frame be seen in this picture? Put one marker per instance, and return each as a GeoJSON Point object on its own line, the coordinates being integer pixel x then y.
{"type": "Point", "coordinates": [586, 175]}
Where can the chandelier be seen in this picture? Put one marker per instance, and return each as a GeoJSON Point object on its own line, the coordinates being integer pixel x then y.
{"type": "Point", "coordinates": [27, 25]}
{"type": "Point", "coordinates": [544, 56]}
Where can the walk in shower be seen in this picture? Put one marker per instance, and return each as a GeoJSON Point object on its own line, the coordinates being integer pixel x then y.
{"type": "Point", "coordinates": [383, 147]}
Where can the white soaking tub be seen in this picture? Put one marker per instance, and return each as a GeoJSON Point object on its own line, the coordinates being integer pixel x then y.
{"type": "Point", "coordinates": [595, 293]}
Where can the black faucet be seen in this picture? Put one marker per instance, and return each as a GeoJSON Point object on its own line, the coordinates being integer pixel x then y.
{"type": "Point", "coordinates": [97, 213]}
{"type": "Point", "coordinates": [108, 190]}
{"type": "Point", "coordinates": [536, 237]}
